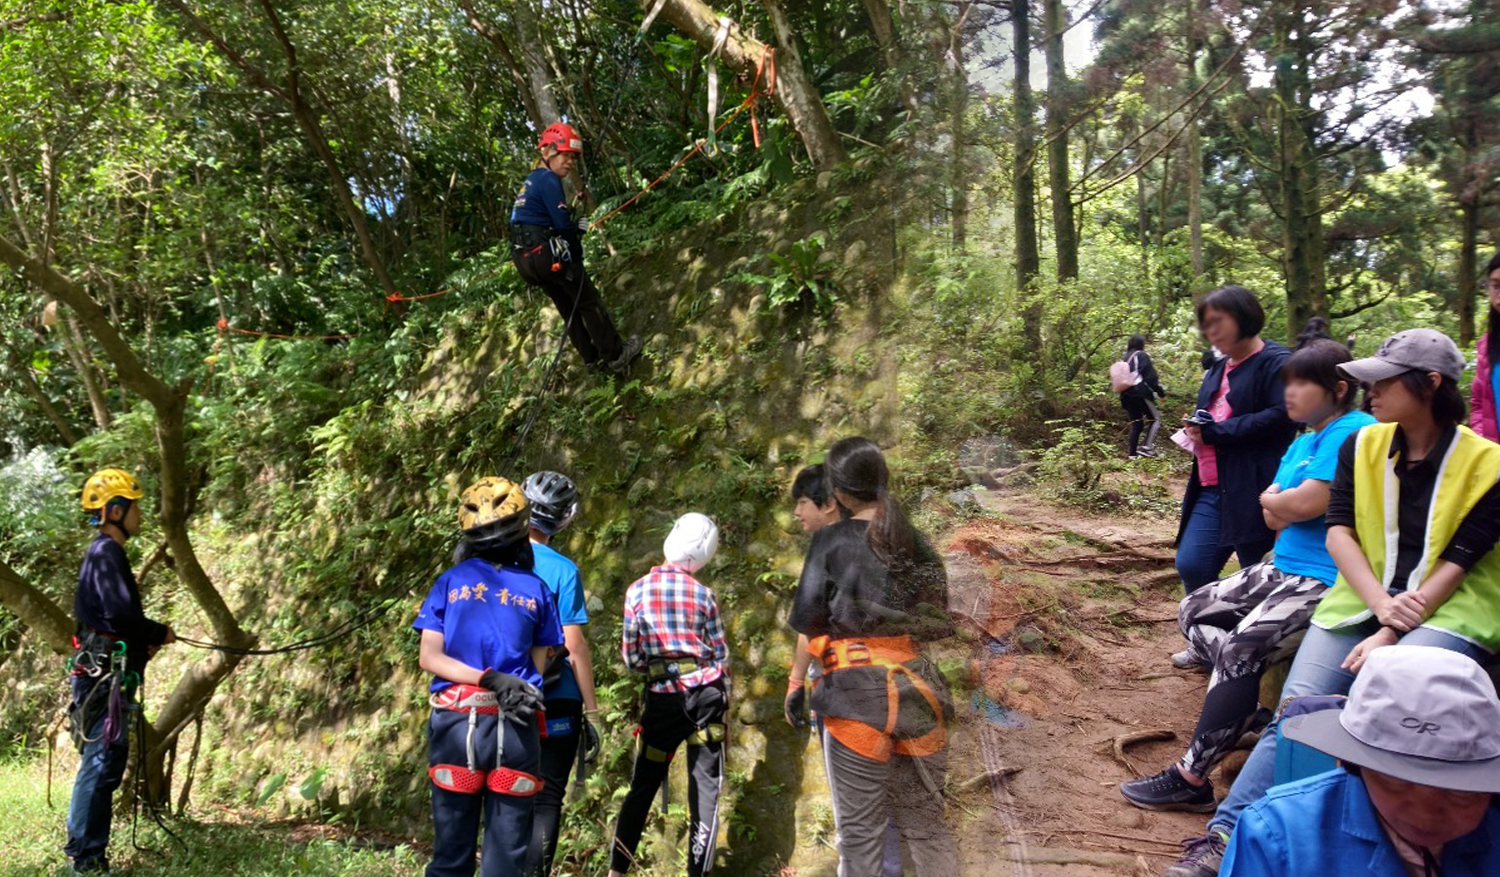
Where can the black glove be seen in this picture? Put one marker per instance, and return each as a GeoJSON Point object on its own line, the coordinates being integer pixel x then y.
{"type": "Point", "coordinates": [517, 697]}
{"type": "Point", "coordinates": [590, 741]}
{"type": "Point", "coordinates": [796, 707]}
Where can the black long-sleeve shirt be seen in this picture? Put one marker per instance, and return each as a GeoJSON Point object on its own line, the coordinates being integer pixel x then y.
{"type": "Point", "coordinates": [1416, 480]}
{"type": "Point", "coordinates": [1150, 385]}
{"type": "Point", "coordinates": [846, 591]}
{"type": "Point", "coordinates": [108, 600]}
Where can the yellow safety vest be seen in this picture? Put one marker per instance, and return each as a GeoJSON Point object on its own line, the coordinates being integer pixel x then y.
{"type": "Point", "coordinates": [1467, 471]}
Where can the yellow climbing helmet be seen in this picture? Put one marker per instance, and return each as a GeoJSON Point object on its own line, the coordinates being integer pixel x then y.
{"type": "Point", "coordinates": [108, 484]}
{"type": "Point", "coordinates": [494, 511]}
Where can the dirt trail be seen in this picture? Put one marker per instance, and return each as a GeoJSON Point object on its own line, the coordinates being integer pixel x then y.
{"type": "Point", "coordinates": [1082, 611]}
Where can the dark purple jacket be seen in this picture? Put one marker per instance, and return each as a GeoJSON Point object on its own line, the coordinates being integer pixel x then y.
{"type": "Point", "coordinates": [1249, 444]}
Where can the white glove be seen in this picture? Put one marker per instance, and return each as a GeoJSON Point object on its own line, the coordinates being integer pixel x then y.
{"type": "Point", "coordinates": [583, 226]}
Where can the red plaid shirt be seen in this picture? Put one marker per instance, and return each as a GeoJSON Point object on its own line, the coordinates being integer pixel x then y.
{"type": "Point", "coordinates": [670, 614]}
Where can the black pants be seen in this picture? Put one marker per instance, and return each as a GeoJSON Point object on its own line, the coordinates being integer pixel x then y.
{"type": "Point", "coordinates": [456, 816]}
{"type": "Point", "coordinates": [668, 721]}
{"type": "Point", "coordinates": [1143, 416]}
{"type": "Point", "coordinates": [559, 754]}
{"type": "Point", "coordinates": [590, 329]}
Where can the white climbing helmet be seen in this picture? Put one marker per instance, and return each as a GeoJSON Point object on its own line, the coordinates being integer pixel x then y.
{"type": "Point", "coordinates": [692, 542]}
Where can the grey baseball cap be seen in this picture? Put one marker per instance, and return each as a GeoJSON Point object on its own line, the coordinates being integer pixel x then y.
{"type": "Point", "coordinates": [1418, 713]}
{"type": "Point", "coordinates": [1426, 350]}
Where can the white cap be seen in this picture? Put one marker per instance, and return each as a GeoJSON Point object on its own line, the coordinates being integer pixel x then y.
{"type": "Point", "coordinates": [692, 542]}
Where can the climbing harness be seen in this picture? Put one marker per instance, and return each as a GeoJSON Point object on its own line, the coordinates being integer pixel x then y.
{"type": "Point", "coordinates": [468, 779]}
{"type": "Point", "coordinates": [873, 728]}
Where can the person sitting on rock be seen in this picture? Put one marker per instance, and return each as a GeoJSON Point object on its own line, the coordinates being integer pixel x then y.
{"type": "Point", "coordinates": [1415, 795]}
{"type": "Point", "coordinates": [1413, 518]}
{"type": "Point", "coordinates": [1244, 623]}
{"type": "Point", "coordinates": [547, 249]}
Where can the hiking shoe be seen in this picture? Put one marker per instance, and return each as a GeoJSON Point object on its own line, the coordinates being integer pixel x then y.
{"type": "Point", "coordinates": [1201, 856]}
{"type": "Point", "coordinates": [1189, 659]}
{"type": "Point", "coordinates": [1169, 791]}
{"type": "Point", "coordinates": [1147, 452]}
{"type": "Point", "coordinates": [628, 353]}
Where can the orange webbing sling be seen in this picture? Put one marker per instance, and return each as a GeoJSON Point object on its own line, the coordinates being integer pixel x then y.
{"type": "Point", "coordinates": [896, 655]}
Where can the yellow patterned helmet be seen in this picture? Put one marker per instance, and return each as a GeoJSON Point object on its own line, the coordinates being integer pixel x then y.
{"type": "Point", "coordinates": [493, 511]}
{"type": "Point", "coordinates": [108, 484]}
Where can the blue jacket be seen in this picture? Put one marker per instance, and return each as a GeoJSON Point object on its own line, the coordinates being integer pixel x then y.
{"type": "Point", "coordinates": [1249, 444]}
{"type": "Point", "coordinates": [1327, 825]}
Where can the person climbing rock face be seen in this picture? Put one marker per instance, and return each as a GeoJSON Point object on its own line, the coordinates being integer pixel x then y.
{"type": "Point", "coordinates": [488, 626]}
{"type": "Point", "coordinates": [114, 640]}
{"type": "Point", "coordinates": [674, 637]}
{"type": "Point", "coordinates": [546, 245]}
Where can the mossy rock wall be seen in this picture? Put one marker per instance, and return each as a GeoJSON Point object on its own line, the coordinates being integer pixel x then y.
{"type": "Point", "coordinates": [731, 398]}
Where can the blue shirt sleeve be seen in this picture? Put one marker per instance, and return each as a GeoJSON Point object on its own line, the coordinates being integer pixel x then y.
{"type": "Point", "coordinates": [571, 606]}
{"type": "Point", "coordinates": [430, 616]}
{"type": "Point", "coordinates": [1254, 849]}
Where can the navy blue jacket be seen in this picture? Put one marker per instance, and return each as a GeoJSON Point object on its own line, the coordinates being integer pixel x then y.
{"type": "Point", "coordinates": [543, 202]}
{"type": "Point", "coordinates": [109, 601]}
{"type": "Point", "coordinates": [1249, 444]}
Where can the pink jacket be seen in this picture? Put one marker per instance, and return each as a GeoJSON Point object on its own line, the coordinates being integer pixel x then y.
{"type": "Point", "coordinates": [1482, 417]}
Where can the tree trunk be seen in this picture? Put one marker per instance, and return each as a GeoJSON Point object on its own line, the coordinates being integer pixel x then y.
{"type": "Point", "coordinates": [540, 78]}
{"type": "Point", "coordinates": [1468, 269]}
{"type": "Point", "coordinates": [307, 119]}
{"type": "Point", "coordinates": [78, 353]}
{"type": "Point", "coordinates": [1028, 259]}
{"type": "Point", "coordinates": [958, 86]}
{"type": "Point", "coordinates": [794, 90]}
{"type": "Point", "coordinates": [1194, 150]}
{"type": "Point", "coordinates": [1297, 171]}
{"type": "Point", "coordinates": [39, 396]}
{"type": "Point", "coordinates": [517, 71]}
{"type": "Point", "coordinates": [1057, 148]}
{"type": "Point", "coordinates": [36, 610]}
{"type": "Point", "coordinates": [169, 404]}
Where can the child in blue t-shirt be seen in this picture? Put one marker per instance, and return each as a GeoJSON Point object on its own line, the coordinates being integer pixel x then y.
{"type": "Point", "coordinates": [1242, 624]}
{"type": "Point", "coordinates": [489, 626]}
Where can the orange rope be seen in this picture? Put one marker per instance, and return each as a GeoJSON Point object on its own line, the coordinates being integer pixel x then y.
{"type": "Point", "coordinates": [768, 55]}
{"type": "Point", "coordinates": [223, 326]}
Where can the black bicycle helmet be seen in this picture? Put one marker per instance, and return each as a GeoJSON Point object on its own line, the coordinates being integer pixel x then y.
{"type": "Point", "coordinates": [554, 500]}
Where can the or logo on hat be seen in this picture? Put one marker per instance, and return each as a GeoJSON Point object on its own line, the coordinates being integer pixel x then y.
{"type": "Point", "coordinates": [1421, 727]}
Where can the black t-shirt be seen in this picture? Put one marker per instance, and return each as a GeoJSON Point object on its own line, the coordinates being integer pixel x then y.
{"type": "Point", "coordinates": [847, 591]}
{"type": "Point", "coordinates": [1415, 481]}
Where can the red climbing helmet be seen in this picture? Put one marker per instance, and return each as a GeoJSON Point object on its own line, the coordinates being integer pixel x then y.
{"type": "Point", "coordinates": [562, 137]}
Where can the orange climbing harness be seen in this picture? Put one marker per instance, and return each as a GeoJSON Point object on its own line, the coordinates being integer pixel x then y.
{"type": "Point", "coordinates": [860, 721]}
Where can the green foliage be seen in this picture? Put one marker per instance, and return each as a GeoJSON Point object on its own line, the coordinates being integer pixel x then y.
{"type": "Point", "coordinates": [802, 275]}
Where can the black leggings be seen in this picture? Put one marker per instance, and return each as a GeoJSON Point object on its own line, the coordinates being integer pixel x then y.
{"type": "Point", "coordinates": [1142, 412]}
{"type": "Point", "coordinates": [590, 329]}
{"type": "Point", "coordinates": [668, 721]}
{"type": "Point", "coordinates": [559, 754]}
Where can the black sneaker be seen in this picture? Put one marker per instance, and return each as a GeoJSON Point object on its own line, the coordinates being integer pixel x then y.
{"type": "Point", "coordinates": [1169, 791]}
{"type": "Point", "coordinates": [628, 353]}
{"type": "Point", "coordinates": [1201, 856]}
{"type": "Point", "coordinates": [1147, 452]}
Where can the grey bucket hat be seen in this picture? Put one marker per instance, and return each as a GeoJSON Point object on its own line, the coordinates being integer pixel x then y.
{"type": "Point", "coordinates": [1425, 350]}
{"type": "Point", "coordinates": [1418, 713]}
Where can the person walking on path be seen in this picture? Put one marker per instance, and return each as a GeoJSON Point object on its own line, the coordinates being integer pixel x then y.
{"type": "Point", "coordinates": [1484, 393]}
{"type": "Point", "coordinates": [1139, 400]}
